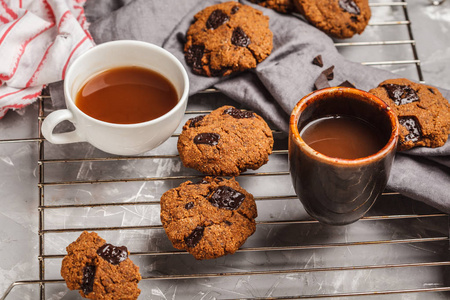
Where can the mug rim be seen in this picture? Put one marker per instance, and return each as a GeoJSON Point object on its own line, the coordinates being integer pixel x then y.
{"type": "Point", "coordinates": [181, 102]}
{"type": "Point", "coordinates": [294, 133]}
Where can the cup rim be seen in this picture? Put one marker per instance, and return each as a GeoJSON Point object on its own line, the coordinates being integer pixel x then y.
{"type": "Point", "coordinates": [181, 102]}
{"type": "Point", "coordinates": [294, 133]}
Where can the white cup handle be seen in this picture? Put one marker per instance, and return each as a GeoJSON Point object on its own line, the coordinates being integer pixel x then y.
{"type": "Point", "coordinates": [54, 119]}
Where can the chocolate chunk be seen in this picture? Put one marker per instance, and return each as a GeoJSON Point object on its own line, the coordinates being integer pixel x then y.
{"type": "Point", "coordinates": [189, 205]}
{"type": "Point", "coordinates": [226, 198]}
{"type": "Point", "coordinates": [238, 114]}
{"type": "Point", "coordinates": [217, 18]}
{"type": "Point", "coordinates": [321, 82]}
{"type": "Point", "coordinates": [196, 235]}
{"type": "Point", "coordinates": [413, 126]}
{"type": "Point", "coordinates": [87, 282]}
{"type": "Point", "coordinates": [329, 73]}
{"type": "Point", "coordinates": [195, 121]}
{"type": "Point", "coordinates": [234, 9]}
{"type": "Point", "coordinates": [349, 6]}
{"type": "Point", "coordinates": [207, 138]}
{"type": "Point", "coordinates": [239, 38]}
{"type": "Point", "coordinates": [401, 94]}
{"type": "Point", "coordinates": [113, 254]}
{"type": "Point", "coordinates": [194, 56]}
{"type": "Point", "coordinates": [218, 72]}
{"type": "Point", "coordinates": [346, 84]}
{"type": "Point", "coordinates": [318, 61]}
{"type": "Point", "coordinates": [228, 223]}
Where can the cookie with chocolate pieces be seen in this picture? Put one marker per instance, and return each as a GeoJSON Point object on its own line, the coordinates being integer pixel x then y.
{"type": "Point", "coordinates": [209, 218]}
{"type": "Point", "coordinates": [423, 113]}
{"type": "Point", "coordinates": [100, 270]}
{"type": "Point", "coordinates": [227, 38]}
{"type": "Point", "coordinates": [338, 18]}
{"type": "Point", "coordinates": [226, 142]}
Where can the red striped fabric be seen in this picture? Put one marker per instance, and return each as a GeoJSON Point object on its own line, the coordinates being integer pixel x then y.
{"type": "Point", "coordinates": [38, 40]}
{"type": "Point", "coordinates": [32, 78]}
{"type": "Point", "coordinates": [22, 49]}
{"type": "Point", "coordinates": [70, 56]}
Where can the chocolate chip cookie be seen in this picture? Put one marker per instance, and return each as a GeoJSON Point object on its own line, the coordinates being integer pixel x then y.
{"type": "Point", "coordinates": [100, 270]}
{"type": "Point", "coordinates": [338, 18]}
{"type": "Point", "coordinates": [282, 6]}
{"type": "Point", "coordinates": [422, 111]}
{"type": "Point", "coordinates": [226, 38]}
{"type": "Point", "coordinates": [226, 142]}
{"type": "Point", "coordinates": [210, 218]}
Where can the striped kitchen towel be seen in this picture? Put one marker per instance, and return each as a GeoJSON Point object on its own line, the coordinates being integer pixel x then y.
{"type": "Point", "coordinates": [38, 40]}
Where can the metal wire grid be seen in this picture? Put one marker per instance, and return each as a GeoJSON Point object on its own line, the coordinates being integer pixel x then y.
{"type": "Point", "coordinates": [43, 207]}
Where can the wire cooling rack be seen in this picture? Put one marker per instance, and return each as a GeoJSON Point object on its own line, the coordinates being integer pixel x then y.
{"type": "Point", "coordinates": [399, 249]}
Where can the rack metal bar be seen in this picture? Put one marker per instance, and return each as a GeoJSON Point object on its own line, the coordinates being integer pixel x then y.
{"type": "Point", "coordinates": [162, 178]}
{"type": "Point", "coordinates": [413, 46]}
{"type": "Point", "coordinates": [370, 293]}
{"type": "Point", "coordinates": [356, 294]}
{"type": "Point", "coordinates": [25, 140]}
{"type": "Point", "coordinates": [267, 249]}
{"type": "Point", "coordinates": [389, 23]}
{"type": "Point", "coordinates": [126, 158]}
{"type": "Point", "coordinates": [391, 62]}
{"type": "Point", "coordinates": [371, 4]}
{"type": "Point", "coordinates": [375, 43]}
{"type": "Point", "coordinates": [41, 212]}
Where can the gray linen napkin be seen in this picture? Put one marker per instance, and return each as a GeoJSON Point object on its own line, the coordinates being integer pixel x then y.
{"type": "Point", "coordinates": [279, 82]}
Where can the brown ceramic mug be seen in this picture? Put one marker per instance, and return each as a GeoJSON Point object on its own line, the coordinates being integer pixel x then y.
{"type": "Point", "coordinates": [336, 190]}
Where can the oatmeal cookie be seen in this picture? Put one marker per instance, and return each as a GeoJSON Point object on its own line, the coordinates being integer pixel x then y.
{"type": "Point", "coordinates": [226, 38]}
{"type": "Point", "coordinates": [338, 18]}
{"type": "Point", "coordinates": [209, 219]}
{"type": "Point", "coordinates": [422, 111]}
{"type": "Point", "coordinates": [226, 142]}
{"type": "Point", "coordinates": [100, 270]}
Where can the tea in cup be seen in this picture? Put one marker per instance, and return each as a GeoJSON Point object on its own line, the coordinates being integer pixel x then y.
{"type": "Point", "coordinates": [342, 143]}
{"type": "Point", "coordinates": [124, 97]}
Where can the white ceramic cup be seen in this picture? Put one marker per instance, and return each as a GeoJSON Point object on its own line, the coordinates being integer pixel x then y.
{"type": "Point", "coordinates": [121, 139]}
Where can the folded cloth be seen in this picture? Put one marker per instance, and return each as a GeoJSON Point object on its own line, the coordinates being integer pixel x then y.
{"type": "Point", "coordinates": [38, 39]}
{"type": "Point", "coordinates": [277, 84]}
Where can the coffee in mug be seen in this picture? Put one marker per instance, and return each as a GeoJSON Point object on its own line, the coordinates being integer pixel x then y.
{"type": "Point", "coordinates": [342, 143]}
{"type": "Point", "coordinates": [343, 136]}
{"type": "Point", "coordinates": [126, 95]}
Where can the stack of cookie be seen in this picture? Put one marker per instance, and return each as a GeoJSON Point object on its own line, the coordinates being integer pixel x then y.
{"type": "Point", "coordinates": [215, 216]}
